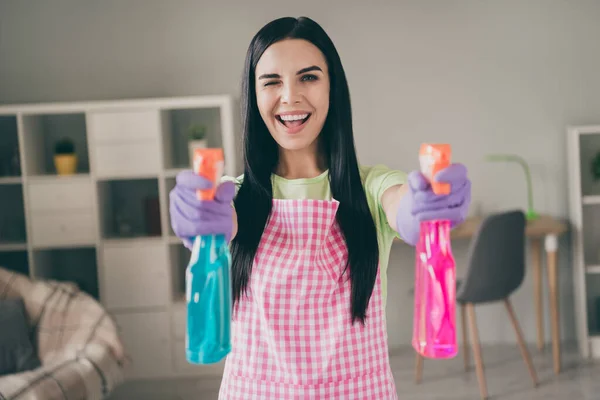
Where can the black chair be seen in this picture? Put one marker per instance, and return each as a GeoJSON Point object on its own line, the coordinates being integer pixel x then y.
{"type": "Point", "coordinates": [496, 269]}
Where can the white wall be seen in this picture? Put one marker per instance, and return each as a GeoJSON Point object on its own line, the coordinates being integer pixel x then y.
{"type": "Point", "coordinates": [494, 76]}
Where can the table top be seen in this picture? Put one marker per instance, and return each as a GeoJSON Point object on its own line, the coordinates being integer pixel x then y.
{"type": "Point", "coordinates": [539, 227]}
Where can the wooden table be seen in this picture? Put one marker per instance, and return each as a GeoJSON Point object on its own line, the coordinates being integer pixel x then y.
{"type": "Point", "coordinates": [549, 229]}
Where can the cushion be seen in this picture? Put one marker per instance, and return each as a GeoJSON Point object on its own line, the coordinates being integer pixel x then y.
{"type": "Point", "coordinates": [17, 353]}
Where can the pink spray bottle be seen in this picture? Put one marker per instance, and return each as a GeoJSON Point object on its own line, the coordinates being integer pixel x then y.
{"type": "Point", "coordinates": [434, 325]}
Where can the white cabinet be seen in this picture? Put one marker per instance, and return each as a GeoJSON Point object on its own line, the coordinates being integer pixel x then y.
{"type": "Point", "coordinates": [179, 320]}
{"type": "Point", "coordinates": [126, 143]}
{"type": "Point", "coordinates": [107, 226]}
{"type": "Point", "coordinates": [63, 229]}
{"type": "Point", "coordinates": [51, 196]}
{"type": "Point", "coordinates": [135, 276]}
{"type": "Point", "coordinates": [62, 213]}
{"type": "Point", "coordinates": [147, 342]}
{"type": "Point", "coordinates": [127, 159]}
{"type": "Point", "coordinates": [583, 145]}
{"type": "Point", "coordinates": [124, 126]}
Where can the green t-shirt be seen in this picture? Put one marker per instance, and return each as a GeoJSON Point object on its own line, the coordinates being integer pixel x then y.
{"type": "Point", "coordinates": [376, 180]}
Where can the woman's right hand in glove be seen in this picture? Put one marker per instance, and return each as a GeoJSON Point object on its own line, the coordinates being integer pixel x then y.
{"type": "Point", "coordinates": [191, 217]}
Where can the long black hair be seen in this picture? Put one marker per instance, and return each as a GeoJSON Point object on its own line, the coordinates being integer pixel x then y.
{"type": "Point", "coordinates": [261, 155]}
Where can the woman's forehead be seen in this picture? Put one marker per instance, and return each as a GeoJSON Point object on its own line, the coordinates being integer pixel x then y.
{"type": "Point", "coordinates": [290, 56]}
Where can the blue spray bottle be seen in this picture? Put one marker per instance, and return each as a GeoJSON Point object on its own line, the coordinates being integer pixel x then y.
{"type": "Point", "coordinates": [208, 289]}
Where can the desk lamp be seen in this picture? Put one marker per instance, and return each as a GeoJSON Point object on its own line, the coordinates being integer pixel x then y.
{"type": "Point", "coordinates": [531, 214]}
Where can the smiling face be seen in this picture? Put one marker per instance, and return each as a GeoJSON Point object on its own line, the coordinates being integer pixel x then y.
{"type": "Point", "coordinates": [292, 93]}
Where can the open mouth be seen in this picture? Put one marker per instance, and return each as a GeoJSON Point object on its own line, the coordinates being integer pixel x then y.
{"type": "Point", "coordinates": [293, 122]}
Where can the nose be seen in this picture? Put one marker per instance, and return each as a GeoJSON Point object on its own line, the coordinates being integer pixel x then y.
{"type": "Point", "coordinates": [291, 94]}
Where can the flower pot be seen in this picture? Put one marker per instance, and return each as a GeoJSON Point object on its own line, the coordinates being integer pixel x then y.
{"type": "Point", "coordinates": [196, 144]}
{"type": "Point", "coordinates": [65, 164]}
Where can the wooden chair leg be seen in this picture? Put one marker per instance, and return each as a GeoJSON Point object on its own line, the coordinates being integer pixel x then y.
{"type": "Point", "coordinates": [463, 315]}
{"type": "Point", "coordinates": [521, 341]}
{"type": "Point", "coordinates": [477, 352]}
{"type": "Point", "coordinates": [418, 368]}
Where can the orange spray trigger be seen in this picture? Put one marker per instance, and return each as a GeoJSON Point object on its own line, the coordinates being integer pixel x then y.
{"type": "Point", "coordinates": [434, 158]}
{"type": "Point", "coordinates": [208, 163]}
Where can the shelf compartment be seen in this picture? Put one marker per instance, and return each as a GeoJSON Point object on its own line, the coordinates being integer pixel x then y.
{"type": "Point", "coordinates": [10, 160]}
{"type": "Point", "coordinates": [179, 257]}
{"type": "Point", "coordinates": [591, 234]}
{"type": "Point", "coordinates": [589, 145]}
{"type": "Point", "coordinates": [130, 208]}
{"type": "Point", "coordinates": [42, 132]}
{"type": "Point", "coordinates": [593, 302]}
{"type": "Point", "coordinates": [76, 265]}
{"type": "Point", "coordinates": [15, 261]}
{"type": "Point", "coordinates": [12, 215]}
{"type": "Point", "coordinates": [169, 185]}
{"type": "Point", "coordinates": [175, 125]}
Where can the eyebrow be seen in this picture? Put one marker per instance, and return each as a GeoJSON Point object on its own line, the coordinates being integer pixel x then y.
{"type": "Point", "coordinates": [302, 71]}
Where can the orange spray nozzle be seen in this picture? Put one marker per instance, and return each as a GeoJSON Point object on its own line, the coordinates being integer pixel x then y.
{"type": "Point", "coordinates": [433, 158]}
{"type": "Point", "coordinates": [208, 163]}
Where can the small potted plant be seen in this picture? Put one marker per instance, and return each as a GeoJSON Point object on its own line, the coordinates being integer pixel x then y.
{"type": "Point", "coordinates": [65, 159]}
{"type": "Point", "coordinates": [196, 138]}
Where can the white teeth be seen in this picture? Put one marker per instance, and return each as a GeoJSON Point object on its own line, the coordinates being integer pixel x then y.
{"type": "Point", "coordinates": [293, 117]}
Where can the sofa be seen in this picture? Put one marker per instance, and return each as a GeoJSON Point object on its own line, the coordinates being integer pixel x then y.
{"type": "Point", "coordinates": [60, 342]}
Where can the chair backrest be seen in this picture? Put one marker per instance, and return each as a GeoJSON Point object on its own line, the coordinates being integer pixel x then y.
{"type": "Point", "coordinates": [496, 259]}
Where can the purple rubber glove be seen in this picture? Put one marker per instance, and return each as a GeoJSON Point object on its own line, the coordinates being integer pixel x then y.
{"type": "Point", "coordinates": [191, 217]}
{"type": "Point", "coordinates": [421, 204]}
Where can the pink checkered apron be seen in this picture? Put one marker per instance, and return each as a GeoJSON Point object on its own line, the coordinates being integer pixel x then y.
{"type": "Point", "coordinates": [292, 334]}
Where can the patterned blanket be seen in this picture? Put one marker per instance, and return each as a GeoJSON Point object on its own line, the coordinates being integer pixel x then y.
{"type": "Point", "coordinates": [77, 343]}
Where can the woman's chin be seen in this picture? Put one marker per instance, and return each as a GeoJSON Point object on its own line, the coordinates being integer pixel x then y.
{"type": "Point", "coordinates": [300, 140]}
{"type": "Point", "coordinates": [295, 143]}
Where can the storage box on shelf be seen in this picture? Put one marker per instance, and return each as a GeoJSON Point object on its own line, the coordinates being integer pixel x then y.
{"type": "Point", "coordinates": [61, 212]}
{"type": "Point", "coordinates": [126, 143]}
{"type": "Point", "coordinates": [106, 227]}
{"type": "Point", "coordinates": [584, 205]}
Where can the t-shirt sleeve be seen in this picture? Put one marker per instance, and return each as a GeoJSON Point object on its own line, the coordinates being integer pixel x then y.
{"type": "Point", "coordinates": [377, 180]}
{"type": "Point", "coordinates": [236, 180]}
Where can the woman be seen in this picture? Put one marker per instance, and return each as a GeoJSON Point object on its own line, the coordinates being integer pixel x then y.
{"type": "Point", "coordinates": [310, 228]}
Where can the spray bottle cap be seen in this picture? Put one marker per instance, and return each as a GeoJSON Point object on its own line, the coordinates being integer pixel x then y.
{"type": "Point", "coordinates": [208, 163]}
{"type": "Point", "coordinates": [434, 157]}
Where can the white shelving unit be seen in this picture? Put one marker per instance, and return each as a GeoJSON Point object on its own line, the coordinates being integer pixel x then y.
{"type": "Point", "coordinates": [584, 203]}
{"type": "Point", "coordinates": [107, 227]}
